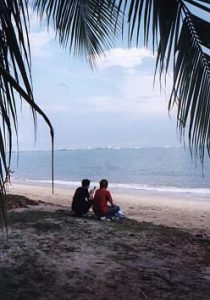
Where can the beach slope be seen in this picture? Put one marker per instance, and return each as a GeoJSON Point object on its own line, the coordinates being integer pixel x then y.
{"type": "Point", "coordinates": [50, 255]}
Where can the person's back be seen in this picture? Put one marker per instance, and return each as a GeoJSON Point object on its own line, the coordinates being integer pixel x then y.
{"type": "Point", "coordinates": [81, 200]}
{"type": "Point", "coordinates": [101, 199]}
{"type": "Point", "coordinates": [102, 196]}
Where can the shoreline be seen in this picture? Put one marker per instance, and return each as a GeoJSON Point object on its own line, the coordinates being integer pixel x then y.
{"type": "Point", "coordinates": [173, 210]}
{"type": "Point", "coordinates": [203, 193]}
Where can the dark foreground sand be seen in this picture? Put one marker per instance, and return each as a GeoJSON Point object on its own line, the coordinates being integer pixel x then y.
{"type": "Point", "coordinates": [51, 255]}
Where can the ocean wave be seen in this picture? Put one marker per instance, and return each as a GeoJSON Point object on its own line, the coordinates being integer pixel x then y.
{"type": "Point", "coordinates": [124, 186]}
{"type": "Point", "coordinates": [163, 189]}
{"type": "Point", "coordinates": [137, 147]}
{"type": "Point", "coordinates": [92, 148]}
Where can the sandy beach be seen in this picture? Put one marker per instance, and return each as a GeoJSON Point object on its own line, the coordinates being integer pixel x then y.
{"type": "Point", "coordinates": [182, 211]}
{"type": "Point", "coordinates": [160, 251]}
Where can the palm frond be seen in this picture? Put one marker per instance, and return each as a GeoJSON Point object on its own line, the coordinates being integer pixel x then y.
{"type": "Point", "coordinates": [181, 40]}
{"type": "Point", "coordinates": [87, 26]}
{"type": "Point", "coordinates": [191, 88]}
{"type": "Point", "coordinates": [15, 80]}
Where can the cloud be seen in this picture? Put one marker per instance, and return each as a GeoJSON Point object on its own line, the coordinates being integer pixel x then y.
{"type": "Point", "coordinates": [124, 58]}
{"type": "Point", "coordinates": [141, 96]}
{"type": "Point", "coordinates": [135, 97]}
{"type": "Point", "coordinates": [39, 41]}
{"type": "Point", "coordinates": [130, 94]}
{"type": "Point", "coordinates": [134, 106]}
{"type": "Point", "coordinates": [40, 35]}
{"type": "Point", "coordinates": [34, 18]}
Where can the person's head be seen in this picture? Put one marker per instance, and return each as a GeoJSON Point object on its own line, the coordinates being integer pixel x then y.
{"type": "Point", "coordinates": [103, 183]}
{"type": "Point", "coordinates": [85, 183]}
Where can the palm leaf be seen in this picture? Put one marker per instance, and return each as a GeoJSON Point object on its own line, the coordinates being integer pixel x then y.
{"type": "Point", "coordinates": [87, 26]}
{"type": "Point", "coordinates": [181, 40]}
{"type": "Point", "coordinates": [15, 80]}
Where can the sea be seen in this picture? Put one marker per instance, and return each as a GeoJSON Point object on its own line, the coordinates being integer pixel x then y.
{"type": "Point", "coordinates": [158, 169]}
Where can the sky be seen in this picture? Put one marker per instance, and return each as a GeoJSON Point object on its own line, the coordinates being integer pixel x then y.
{"type": "Point", "coordinates": [113, 105]}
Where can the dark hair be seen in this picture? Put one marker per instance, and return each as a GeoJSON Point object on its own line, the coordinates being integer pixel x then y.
{"type": "Point", "coordinates": [103, 183]}
{"type": "Point", "coordinates": [85, 183]}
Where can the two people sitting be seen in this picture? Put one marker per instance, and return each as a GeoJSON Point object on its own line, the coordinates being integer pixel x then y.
{"type": "Point", "coordinates": [101, 200]}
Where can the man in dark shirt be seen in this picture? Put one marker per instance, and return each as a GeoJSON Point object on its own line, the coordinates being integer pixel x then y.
{"type": "Point", "coordinates": [82, 199]}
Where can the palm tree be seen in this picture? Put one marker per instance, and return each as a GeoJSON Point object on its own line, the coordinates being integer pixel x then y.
{"type": "Point", "coordinates": [175, 29]}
